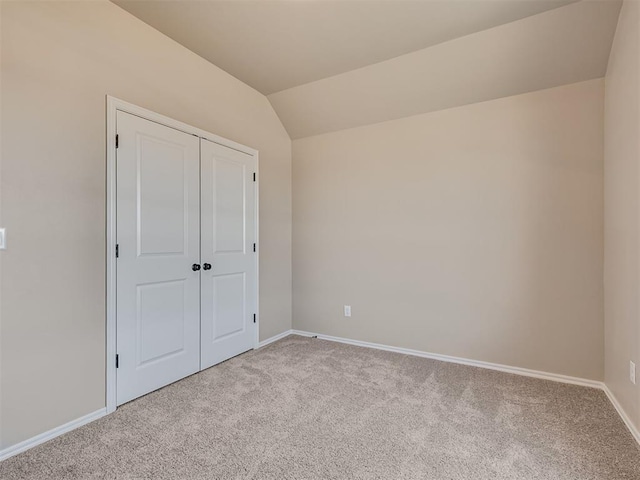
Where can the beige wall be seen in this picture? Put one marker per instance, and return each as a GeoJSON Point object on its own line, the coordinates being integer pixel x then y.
{"type": "Point", "coordinates": [622, 222]}
{"type": "Point", "coordinates": [474, 232]}
{"type": "Point", "coordinates": [59, 60]}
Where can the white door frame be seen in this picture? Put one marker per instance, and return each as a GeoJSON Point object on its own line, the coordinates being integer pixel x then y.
{"type": "Point", "coordinates": [113, 106]}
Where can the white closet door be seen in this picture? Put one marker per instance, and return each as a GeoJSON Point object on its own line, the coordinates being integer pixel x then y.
{"type": "Point", "coordinates": [158, 291]}
{"type": "Point", "coordinates": [228, 234]}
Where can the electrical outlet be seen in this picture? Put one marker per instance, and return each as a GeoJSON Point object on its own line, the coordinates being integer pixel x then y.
{"type": "Point", "coordinates": [347, 310]}
{"type": "Point", "coordinates": [3, 239]}
{"type": "Point", "coordinates": [632, 372]}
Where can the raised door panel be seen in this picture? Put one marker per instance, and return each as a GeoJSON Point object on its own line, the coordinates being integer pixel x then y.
{"type": "Point", "coordinates": [229, 305]}
{"type": "Point", "coordinates": [163, 201]}
{"type": "Point", "coordinates": [229, 209]}
{"type": "Point", "coordinates": [161, 321]}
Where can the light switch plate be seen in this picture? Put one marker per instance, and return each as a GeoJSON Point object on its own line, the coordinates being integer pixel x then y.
{"type": "Point", "coordinates": [3, 239]}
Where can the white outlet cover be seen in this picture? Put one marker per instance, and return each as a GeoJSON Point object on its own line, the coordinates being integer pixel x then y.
{"type": "Point", "coordinates": [632, 372]}
{"type": "Point", "coordinates": [347, 310]}
{"type": "Point", "coordinates": [3, 239]}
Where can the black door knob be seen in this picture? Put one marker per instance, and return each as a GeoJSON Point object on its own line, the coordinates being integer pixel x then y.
{"type": "Point", "coordinates": [195, 267]}
{"type": "Point", "coordinates": [207, 266]}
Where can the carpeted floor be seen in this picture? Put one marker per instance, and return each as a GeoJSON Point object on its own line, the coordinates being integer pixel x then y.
{"type": "Point", "coordinates": [310, 409]}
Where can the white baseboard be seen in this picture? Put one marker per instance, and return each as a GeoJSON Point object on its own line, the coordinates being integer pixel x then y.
{"type": "Point", "coordinates": [491, 366]}
{"type": "Point", "coordinates": [625, 418]}
{"type": "Point", "coordinates": [462, 361]}
{"type": "Point", "coordinates": [51, 434]}
{"type": "Point", "coordinates": [72, 425]}
{"type": "Point", "coordinates": [67, 427]}
{"type": "Point", "coordinates": [275, 338]}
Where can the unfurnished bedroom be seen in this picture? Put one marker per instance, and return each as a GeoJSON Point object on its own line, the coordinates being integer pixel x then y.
{"type": "Point", "coordinates": [320, 239]}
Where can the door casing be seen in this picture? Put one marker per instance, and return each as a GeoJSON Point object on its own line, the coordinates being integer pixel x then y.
{"type": "Point", "coordinates": [113, 105]}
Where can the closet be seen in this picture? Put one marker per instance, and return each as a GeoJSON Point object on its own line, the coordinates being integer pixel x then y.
{"type": "Point", "coordinates": [186, 270]}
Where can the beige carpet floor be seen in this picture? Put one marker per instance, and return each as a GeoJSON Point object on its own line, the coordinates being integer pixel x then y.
{"type": "Point", "coordinates": [310, 409]}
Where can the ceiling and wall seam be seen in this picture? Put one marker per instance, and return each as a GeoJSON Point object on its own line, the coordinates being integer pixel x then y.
{"type": "Point", "coordinates": [560, 43]}
{"type": "Point", "coordinates": [274, 45]}
{"type": "Point", "coordinates": [558, 47]}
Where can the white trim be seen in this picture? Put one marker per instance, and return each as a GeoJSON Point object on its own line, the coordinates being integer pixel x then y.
{"type": "Point", "coordinates": [256, 341]}
{"type": "Point", "coordinates": [625, 418]}
{"type": "Point", "coordinates": [111, 399]}
{"type": "Point", "coordinates": [123, 106]}
{"type": "Point", "coordinates": [462, 361]}
{"type": "Point", "coordinates": [67, 427]}
{"type": "Point", "coordinates": [113, 106]}
{"type": "Point", "coordinates": [51, 434]}
{"type": "Point", "coordinates": [555, 377]}
{"type": "Point", "coordinates": [275, 338]}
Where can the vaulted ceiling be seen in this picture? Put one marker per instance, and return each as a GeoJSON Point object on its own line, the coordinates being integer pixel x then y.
{"type": "Point", "coordinates": [332, 64]}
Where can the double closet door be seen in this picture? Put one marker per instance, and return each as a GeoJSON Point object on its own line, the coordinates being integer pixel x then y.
{"type": "Point", "coordinates": [186, 267]}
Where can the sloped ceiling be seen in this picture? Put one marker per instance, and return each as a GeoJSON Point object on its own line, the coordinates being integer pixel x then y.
{"type": "Point", "coordinates": [273, 45]}
{"type": "Point", "coordinates": [566, 45]}
{"type": "Point", "coordinates": [327, 65]}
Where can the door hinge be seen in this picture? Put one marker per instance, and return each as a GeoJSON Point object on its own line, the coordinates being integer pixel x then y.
{"type": "Point", "coordinates": [117, 360]}
{"type": "Point", "coordinates": [254, 318]}
{"type": "Point", "coordinates": [254, 247]}
{"type": "Point", "coordinates": [117, 250]}
{"type": "Point", "coordinates": [254, 176]}
{"type": "Point", "coordinates": [117, 140]}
